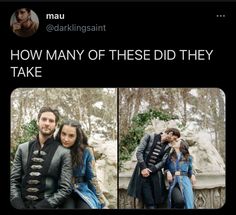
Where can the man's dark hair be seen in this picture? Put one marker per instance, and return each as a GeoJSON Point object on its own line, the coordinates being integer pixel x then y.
{"type": "Point", "coordinates": [48, 109]}
{"type": "Point", "coordinates": [174, 131]}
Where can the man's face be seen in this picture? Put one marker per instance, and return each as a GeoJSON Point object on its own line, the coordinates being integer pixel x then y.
{"type": "Point", "coordinates": [173, 138]}
{"type": "Point", "coordinates": [22, 15]}
{"type": "Point", "coordinates": [47, 123]}
{"type": "Point", "coordinates": [169, 137]}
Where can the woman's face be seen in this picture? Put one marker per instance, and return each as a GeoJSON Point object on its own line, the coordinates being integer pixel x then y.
{"type": "Point", "coordinates": [176, 144]}
{"type": "Point", "coordinates": [68, 136]}
{"type": "Point", "coordinates": [22, 15]}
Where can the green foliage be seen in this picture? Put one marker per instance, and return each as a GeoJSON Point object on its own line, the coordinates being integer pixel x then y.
{"type": "Point", "coordinates": [143, 119]}
{"type": "Point", "coordinates": [29, 132]}
{"type": "Point", "coordinates": [131, 140]}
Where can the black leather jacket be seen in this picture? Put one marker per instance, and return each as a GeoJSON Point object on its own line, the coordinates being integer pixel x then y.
{"type": "Point", "coordinates": [144, 149]}
{"type": "Point", "coordinates": [57, 182]}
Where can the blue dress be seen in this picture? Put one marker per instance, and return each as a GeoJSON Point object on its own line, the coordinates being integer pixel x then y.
{"type": "Point", "coordinates": [88, 189]}
{"type": "Point", "coordinates": [183, 180]}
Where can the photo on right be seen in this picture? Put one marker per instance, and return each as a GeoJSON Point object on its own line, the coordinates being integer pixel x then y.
{"type": "Point", "coordinates": [172, 148]}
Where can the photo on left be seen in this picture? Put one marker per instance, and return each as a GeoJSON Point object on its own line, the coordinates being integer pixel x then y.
{"type": "Point", "coordinates": [63, 151]}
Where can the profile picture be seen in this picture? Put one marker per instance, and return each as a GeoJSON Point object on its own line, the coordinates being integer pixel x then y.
{"type": "Point", "coordinates": [24, 22]}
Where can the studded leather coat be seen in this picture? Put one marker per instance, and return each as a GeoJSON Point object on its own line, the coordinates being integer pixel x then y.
{"type": "Point", "coordinates": [144, 149]}
{"type": "Point", "coordinates": [40, 178]}
{"type": "Point", "coordinates": [152, 154]}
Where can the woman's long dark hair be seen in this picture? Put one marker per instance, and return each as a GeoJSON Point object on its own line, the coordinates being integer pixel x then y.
{"type": "Point", "coordinates": [81, 142]}
{"type": "Point", "coordinates": [183, 148]}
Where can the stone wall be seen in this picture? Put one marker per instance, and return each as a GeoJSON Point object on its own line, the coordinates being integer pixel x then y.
{"type": "Point", "coordinates": [209, 192]}
{"type": "Point", "coordinates": [106, 167]}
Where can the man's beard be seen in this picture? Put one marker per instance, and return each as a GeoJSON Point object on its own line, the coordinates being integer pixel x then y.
{"type": "Point", "coordinates": [47, 133]}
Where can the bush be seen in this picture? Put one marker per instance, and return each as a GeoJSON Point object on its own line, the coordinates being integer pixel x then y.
{"type": "Point", "coordinates": [30, 130]}
{"type": "Point", "coordinates": [131, 140]}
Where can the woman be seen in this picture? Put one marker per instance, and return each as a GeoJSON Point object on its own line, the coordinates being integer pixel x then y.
{"type": "Point", "coordinates": [180, 175]}
{"type": "Point", "coordinates": [87, 193]}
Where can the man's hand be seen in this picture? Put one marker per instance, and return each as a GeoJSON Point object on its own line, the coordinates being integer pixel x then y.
{"type": "Point", "coordinates": [146, 172]}
{"type": "Point", "coordinates": [16, 26]}
{"type": "Point", "coordinates": [169, 176]}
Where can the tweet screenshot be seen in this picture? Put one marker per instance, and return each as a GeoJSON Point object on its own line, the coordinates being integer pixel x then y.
{"type": "Point", "coordinates": [117, 106]}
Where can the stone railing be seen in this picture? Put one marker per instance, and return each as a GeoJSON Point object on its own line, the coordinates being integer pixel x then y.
{"type": "Point", "coordinates": [209, 192]}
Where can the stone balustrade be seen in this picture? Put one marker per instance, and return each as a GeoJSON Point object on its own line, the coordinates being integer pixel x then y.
{"type": "Point", "coordinates": [209, 192]}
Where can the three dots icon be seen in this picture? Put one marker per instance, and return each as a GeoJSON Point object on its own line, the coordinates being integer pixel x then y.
{"type": "Point", "coordinates": [220, 15]}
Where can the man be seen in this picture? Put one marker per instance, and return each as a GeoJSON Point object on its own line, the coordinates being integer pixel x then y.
{"type": "Point", "coordinates": [42, 170]}
{"type": "Point", "coordinates": [24, 25]}
{"type": "Point", "coordinates": [147, 182]}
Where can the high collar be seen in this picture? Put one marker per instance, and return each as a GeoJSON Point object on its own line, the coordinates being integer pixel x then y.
{"type": "Point", "coordinates": [46, 143]}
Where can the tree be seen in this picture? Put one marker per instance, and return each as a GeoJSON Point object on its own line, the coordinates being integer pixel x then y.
{"type": "Point", "coordinates": [202, 107]}
{"type": "Point", "coordinates": [73, 103]}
